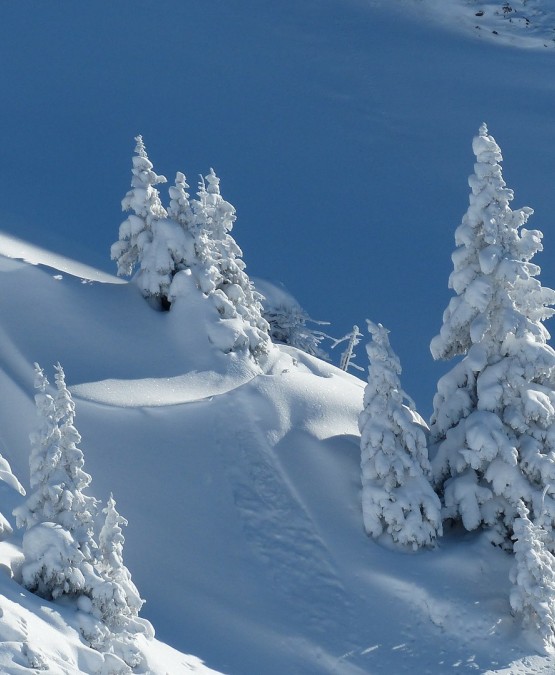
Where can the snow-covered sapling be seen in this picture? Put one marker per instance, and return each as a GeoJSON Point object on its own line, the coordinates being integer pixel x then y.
{"type": "Point", "coordinates": [397, 497]}
{"type": "Point", "coordinates": [111, 541]}
{"type": "Point", "coordinates": [348, 356]}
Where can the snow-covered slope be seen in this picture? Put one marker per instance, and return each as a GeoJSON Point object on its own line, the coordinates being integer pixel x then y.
{"type": "Point", "coordinates": [528, 24]}
{"type": "Point", "coordinates": [37, 635]}
{"type": "Point", "coordinates": [242, 491]}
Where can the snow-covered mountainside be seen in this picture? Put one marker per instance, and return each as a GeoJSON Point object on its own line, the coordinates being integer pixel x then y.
{"type": "Point", "coordinates": [527, 24]}
{"type": "Point", "coordinates": [241, 486]}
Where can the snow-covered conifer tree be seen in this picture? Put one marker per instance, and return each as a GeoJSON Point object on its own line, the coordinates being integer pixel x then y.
{"type": "Point", "coordinates": [397, 497]}
{"type": "Point", "coordinates": [533, 575]}
{"type": "Point", "coordinates": [57, 514]}
{"type": "Point", "coordinates": [111, 541]}
{"type": "Point", "coordinates": [143, 200]}
{"type": "Point", "coordinates": [231, 290]}
{"type": "Point", "coordinates": [61, 553]}
{"type": "Point", "coordinates": [115, 599]}
{"type": "Point", "coordinates": [190, 240]}
{"type": "Point", "coordinates": [58, 479]}
{"type": "Point", "coordinates": [145, 239]}
{"type": "Point", "coordinates": [494, 412]}
{"type": "Point", "coordinates": [197, 254]}
{"type": "Point", "coordinates": [180, 208]}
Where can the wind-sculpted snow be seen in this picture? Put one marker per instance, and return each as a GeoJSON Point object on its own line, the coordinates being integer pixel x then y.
{"type": "Point", "coordinates": [193, 386]}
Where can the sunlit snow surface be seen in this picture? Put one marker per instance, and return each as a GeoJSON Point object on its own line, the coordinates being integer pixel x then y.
{"type": "Point", "coordinates": [520, 23]}
{"type": "Point", "coordinates": [242, 491]}
{"type": "Point", "coordinates": [12, 247]}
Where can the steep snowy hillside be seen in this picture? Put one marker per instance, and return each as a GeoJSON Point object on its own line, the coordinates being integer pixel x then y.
{"type": "Point", "coordinates": [242, 490]}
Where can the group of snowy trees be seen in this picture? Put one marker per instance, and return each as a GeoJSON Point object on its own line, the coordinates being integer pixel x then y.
{"type": "Point", "coordinates": [486, 461]}
{"type": "Point", "coordinates": [189, 243]}
{"type": "Point", "coordinates": [168, 250]}
{"type": "Point", "coordinates": [71, 548]}
{"type": "Point", "coordinates": [489, 461]}
{"type": "Point", "coordinates": [488, 458]}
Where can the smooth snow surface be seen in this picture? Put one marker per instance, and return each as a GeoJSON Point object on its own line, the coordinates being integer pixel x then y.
{"type": "Point", "coordinates": [12, 247]}
{"type": "Point", "coordinates": [245, 533]}
{"type": "Point", "coordinates": [193, 386]}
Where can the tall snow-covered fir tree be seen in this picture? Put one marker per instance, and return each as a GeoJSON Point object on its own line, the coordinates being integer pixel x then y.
{"type": "Point", "coordinates": [493, 425]}
{"type": "Point", "coordinates": [397, 497]}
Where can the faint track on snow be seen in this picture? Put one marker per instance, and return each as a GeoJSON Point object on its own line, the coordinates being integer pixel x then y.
{"type": "Point", "coordinates": [277, 527]}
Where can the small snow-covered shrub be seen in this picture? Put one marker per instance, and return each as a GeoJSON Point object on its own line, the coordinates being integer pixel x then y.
{"type": "Point", "coordinates": [288, 321]}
